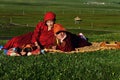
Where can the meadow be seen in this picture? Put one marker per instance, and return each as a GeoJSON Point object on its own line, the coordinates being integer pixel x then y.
{"type": "Point", "coordinates": [100, 22]}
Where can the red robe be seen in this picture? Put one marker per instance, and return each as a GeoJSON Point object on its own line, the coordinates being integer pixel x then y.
{"type": "Point", "coordinates": [19, 41]}
{"type": "Point", "coordinates": [71, 42]}
{"type": "Point", "coordinates": [44, 37]}
{"type": "Point", "coordinates": [41, 34]}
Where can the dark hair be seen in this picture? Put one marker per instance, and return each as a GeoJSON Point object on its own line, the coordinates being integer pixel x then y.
{"type": "Point", "coordinates": [60, 32]}
{"type": "Point", "coordinates": [18, 50]}
{"type": "Point", "coordinates": [27, 50]}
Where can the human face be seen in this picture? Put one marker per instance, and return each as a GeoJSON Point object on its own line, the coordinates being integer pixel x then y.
{"type": "Point", "coordinates": [61, 35]}
{"type": "Point", "coordinates": [50, 23]}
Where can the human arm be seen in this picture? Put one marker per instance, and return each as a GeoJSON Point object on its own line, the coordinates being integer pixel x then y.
{"type": "Point", "coordinates": [36, 34]}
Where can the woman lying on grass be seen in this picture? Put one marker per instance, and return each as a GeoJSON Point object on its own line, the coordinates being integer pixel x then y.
{"type": "Point", "coordinates": [67, 41]}
{"type": "Point", "coordinates": [25, 50]}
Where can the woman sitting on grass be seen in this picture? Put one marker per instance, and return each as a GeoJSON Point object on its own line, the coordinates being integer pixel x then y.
{"type": "Point", "coordinates": [67, 41]}
{"type": "Point", "coordinates": [42, 37]}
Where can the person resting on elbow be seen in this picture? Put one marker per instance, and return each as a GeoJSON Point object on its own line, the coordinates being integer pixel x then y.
{"type": "Point", "coordinates": [67, 41]}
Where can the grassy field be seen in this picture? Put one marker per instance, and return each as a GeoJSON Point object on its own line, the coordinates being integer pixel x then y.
{"type": "Point", "coordinates": [100, 22]}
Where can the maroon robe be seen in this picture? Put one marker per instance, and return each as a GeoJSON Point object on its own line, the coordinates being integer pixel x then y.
{"type": "Point", "coordinates": [71, 42]}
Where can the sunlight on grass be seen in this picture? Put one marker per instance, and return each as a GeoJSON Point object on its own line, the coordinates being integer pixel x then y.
{"type": "Point", "coordinates": [99, 23]}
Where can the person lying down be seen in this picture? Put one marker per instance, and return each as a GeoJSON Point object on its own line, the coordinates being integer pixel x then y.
{"type": "Point", "coordinates": [25, 50]}
{"type": "Point", "coordinates": [66, 41]}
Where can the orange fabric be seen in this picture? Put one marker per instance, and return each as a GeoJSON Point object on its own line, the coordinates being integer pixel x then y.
{"type": "Point", "coordinates": [49, 16]}
{"type": "Point", "coordinates": [28, 46]}
{"type": "Point", "coordinates": [58, 27]}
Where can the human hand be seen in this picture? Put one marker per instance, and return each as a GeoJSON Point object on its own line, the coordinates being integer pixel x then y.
{"type": "Point", "coordinates": [36, 44]}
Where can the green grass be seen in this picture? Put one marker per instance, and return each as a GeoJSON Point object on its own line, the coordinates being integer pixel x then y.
{"type": "Point", "coordinates": [99, 23]}
{"type": "Point", "coordinates": [93, 16]}
{"type": "Point", "coordinates": [15, 31]}
{"type": "Point", "coordinates": [100, 65]}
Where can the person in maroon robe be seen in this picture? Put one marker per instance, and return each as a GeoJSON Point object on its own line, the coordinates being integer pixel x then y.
{"type": "Point", "coordinates": [42, 37]}
{"type": "Point", "coordinates": [67, 41]}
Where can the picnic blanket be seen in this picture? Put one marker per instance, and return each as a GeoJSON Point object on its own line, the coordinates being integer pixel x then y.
{"type": "Point", "coordinates": [96, 46]}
